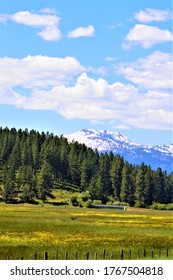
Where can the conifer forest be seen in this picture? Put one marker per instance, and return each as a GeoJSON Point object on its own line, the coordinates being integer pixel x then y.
{"type": "Point", "coordinates": [33, 164]}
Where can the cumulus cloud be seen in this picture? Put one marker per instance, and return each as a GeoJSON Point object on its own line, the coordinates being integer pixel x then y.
{"type": "Point", "coordinates": [44, 83]}
{"type": "Point", "coordinates": [82, 32]}
{"type": "Point", "coordinates": [149, 15]}
{"type": "Point", "coordinates": [38, 71]}
{"type": "Point", "coordinates": [46, 21]}
{"type": "Point", "coordinates": [152, 72]}
{"type": "Point", "coordinates": [146, 36]}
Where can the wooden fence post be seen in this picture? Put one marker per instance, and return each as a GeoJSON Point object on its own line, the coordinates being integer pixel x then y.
{"type": "Point", "coordinates": [121, 254]}
{"type": "Point", "coordinates": [167, 252]}
{"type": "Point", "coordinates": [152, 253]}
{"type": "Point", "coordinates": [145, 253]}
{"type": "Point", "coordinates": [35, 256]}
{"type": "Point", "coordinates": [66, 255]}
{"type": "Point", "coordinates": [87, 256]}
{"type": "Point", "coordinates": [104, 254]}
{"type": "Point", "coordinates": [45, 255]}
{"type": "Point", "coordinates": [76, 255]}
{"type": "Point", "coordinates": [95, 255]}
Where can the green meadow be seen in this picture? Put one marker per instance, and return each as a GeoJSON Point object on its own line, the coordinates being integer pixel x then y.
{"type": "Point", "coordinates": [27, 229]}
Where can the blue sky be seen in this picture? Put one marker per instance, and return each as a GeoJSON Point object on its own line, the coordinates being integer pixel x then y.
{"type": "Point", "coordinates": [73, 64]}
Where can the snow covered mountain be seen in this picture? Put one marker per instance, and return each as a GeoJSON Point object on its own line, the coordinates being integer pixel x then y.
{"type": "Point", "coordinates": [106, 141]}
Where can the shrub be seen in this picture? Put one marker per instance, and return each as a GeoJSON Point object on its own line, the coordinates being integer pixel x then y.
{"type": "Point", "coordinates": [158, 206]}
{"type": "Point", "coordinates": [85, 196]}
{"type": "Point", "coordinates": [140, 204]}
{"type": "Point", "coordinates": [169, 206]}
{"type": "Point", "coordinates": [99, 202]}
{"type": "Point", "coordinates": [74, 200]}
{"type": "Point", "coordinates": [89, 203]}
{"type": "Point", "coordinates": [124, 203]}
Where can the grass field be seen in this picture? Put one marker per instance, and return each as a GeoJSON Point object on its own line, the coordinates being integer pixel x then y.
{"type": "Point", "coordinates": [26, 229]}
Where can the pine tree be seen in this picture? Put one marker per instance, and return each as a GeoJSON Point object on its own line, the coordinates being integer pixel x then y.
{"type": "Point", "coordinates": [169, 188]}
{"type": "Point", "coordinates": [116, 175]}
{"type": "Point", "coordinates": [74, 166]}
{"type": "Point", "coordinates": [127, 187]}
{"type": "Point", "coordinates": [8, 190]}
{"type": "Point", "coordinates": [94, 188]}
{"type": "Point", "coordinates": [64, 167]}
{"type": "Point", "coordinates": [28, 193]}
{"type": "Point", "coordinates": [8, 182]}
{"type": "Point", "coordinates": [159, 186]}
{"type": "Point", "coordinates": [26, 183]}
{"type": "Point", "coordinates": [103, 178]}
{"type": "Point", "coordinates": [44, 181]}
{"type": "Point", "coordinates": [140, 193]}
{"type": "Point", "coordinates": [84, 182]}
{"type": "Point", "coordinates": [149, 186]}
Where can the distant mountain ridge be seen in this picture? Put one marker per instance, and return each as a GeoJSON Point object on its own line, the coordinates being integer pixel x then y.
{"type": "Point", "coordinates": [135, 153]}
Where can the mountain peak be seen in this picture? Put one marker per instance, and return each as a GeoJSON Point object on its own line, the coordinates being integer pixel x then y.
{"type": "Point", "coordinates": [106, 141]}
{"type": "Point", "coordinates": [102, 135]}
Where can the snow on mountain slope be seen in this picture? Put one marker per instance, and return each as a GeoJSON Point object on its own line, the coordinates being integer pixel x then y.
{"type": "Point", "coordinates": [106, 141]}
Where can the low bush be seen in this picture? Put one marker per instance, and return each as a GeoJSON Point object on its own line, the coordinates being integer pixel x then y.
{"type": "Point", "coordinates": [74, 200]}
{"type": "Point", "coordinates": [160, 206]}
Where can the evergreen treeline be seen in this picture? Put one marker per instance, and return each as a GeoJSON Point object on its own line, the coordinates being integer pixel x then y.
{"type": "Point", "coordinates": [32, 164]}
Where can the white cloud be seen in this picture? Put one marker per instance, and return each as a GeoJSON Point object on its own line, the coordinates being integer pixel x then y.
{"type": "Point", "coordinates": [146, 36]}
{"type": "Point", "coordinates": [35, 20]}
{"type": "Point", "coordinates": [153, 119]}
{"type": "Point", "coordinates": [44, 83]}
{"type": "Point", "coordinates": [82, 32]}
{"type": "Point", "coordinates": [50, 33]}
{"type": "Point", "coordinates": [102, 71]}
{"type": "Point", "coordinates": [152, 72]}
{"type": "Point", "coordinates": [38, 71]}
{"type": "Point", "coordinates": [150, 15]}
{"type": "Point", "coordinates": [46, 22]}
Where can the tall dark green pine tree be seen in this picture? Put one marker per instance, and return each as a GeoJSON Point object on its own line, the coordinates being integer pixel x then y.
{"type": "Point", "coordinates": [15, 155]}
{"type": "Point", "coordinates": [9, 183]}
{"type": "Point", "coordinates": [169, 188]}
{"type": "Point", "coordinates": [103, 178]}
{"type": "Point", "coordinates": [35, 149]}
{"type": "Point", "coordinates": [26, 183]}
{"type": "Point", "coordinates": [84, 175]}
{"type": "Point", "coordinates": [116, 175]}
{"type": "Point", "coordinates": [64, 152]}
{"type": "Point", "coordinates": [159, 186]}
{"type": "Point", "coordinates": [94, 188]}
{"type": "Point", "coordinates": [149, 188]}
{"type": "Point", "coordinates": [44, 181]}
{"type": "Point", "coordinates": [127, 187]}
{"type": "Point", "coordinates": [7, 144]}
{"type": "Point", "coordinates": [8, 190]}
{"type": "Point", "coordinates": [28, 193]}
{"type": "Point", "coordinates": [140, 193]}
{"type": "Point", "coordinates": [74, 166]}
